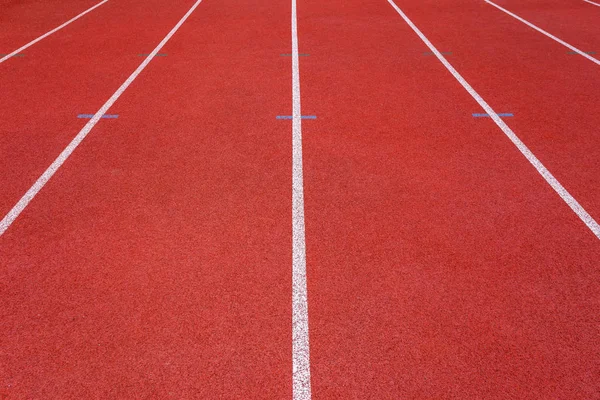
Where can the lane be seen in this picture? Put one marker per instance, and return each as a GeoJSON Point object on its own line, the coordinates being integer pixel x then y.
{"type": "Point", "coordinates": [572, 21]}
{"type": "Point", "coordinates": [157, 262]}
{"type": "Point", "coordinates": [522, 72]}
{"type": "Point", "coordinates": [585, 217]}
{"type": "Point", "coordinates": [19, 52]}
{"type": "Point", "coordinates": [102, 113]}
{"type": "Point", "coordinates": [440, 263]}
{"type": "Point", "coordinates": [69, 73]}
{"type": "Point", "coordinates": [22, 22]}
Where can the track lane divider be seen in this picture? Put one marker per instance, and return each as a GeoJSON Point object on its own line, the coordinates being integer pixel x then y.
{"type": "Point", "coordinates": [537, 164]}
{"type": "Point", "coordinates": [64, 155]}
{"type": "Point", "coordinates": [301, 388]}
{"type": "Point", "coordinates": [551, 36]}
{"type": "Point", "coordinates": [591, 2]}
{"type": "Point", "coordinates": [45, 35]}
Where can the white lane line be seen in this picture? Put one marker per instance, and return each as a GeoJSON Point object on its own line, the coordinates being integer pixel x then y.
{"type": "Point", "coordinates": [562, 192]}
{"type": "Point", "coordinates": [540, 30]}
{"type": "Point", "coordinates": [300, 347]}
{"type": "Point", "coordinates": [20, 49]}
{"type": "Point", "coordinates": [45, 177]}
{"type": "Point", "coordinates": [591, 2]}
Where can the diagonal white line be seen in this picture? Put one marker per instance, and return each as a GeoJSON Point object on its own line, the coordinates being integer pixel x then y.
{"type": "Point", "coordinates": [591, 2]}
{"type": "Point", "coordinates": [45, 177]}
{"type": "Point", "coordinates": [300, 346]}
{"type": "Point", "coordinates": [540, 30]}
{"type": "Point", "coordinates": [562, 192]}
{"type": "Point", "coordinates": [20, 49]}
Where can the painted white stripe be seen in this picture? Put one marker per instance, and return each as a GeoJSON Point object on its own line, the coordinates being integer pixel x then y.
{"type": "Point", "coordinates": [562, 192]}
{"type": "Point", "coordinates": [591, 2]}
{"type": "Point", "coordinates": [540, 30]}
{"type": "Point", "coordinates": [45, 177]}
{"type": "Point", "coordinates": [45, 35]}
{"type": "Point", "coordinates": [300, 348]}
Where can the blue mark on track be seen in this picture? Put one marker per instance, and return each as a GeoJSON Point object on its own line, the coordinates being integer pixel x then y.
{"type": "Point", "coordinates": [90, 116]}
{"type": "Point", "coordinates": [445, 53]}
{"type": "Point", "coordinates": [302, 117]}
{"type": "Point", "coordinates": [499, 114]}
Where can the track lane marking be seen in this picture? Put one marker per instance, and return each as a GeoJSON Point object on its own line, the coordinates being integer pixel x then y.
{"type": "Point", "coordinates": [551, 36]}
{"type": "Point", "coordinates": [428, 53]}
{"type": "Point", "coordinates": [292, 117]}
{"type": "Point", "coordinates": [301, 389]}
{"type": "Point", "coordinates": [537, 164]}
{"type": "Point", "coordinates": [45, 35]}
{"type": "Point", "coordinates": [62, 157]}
{"type": "Point", "coordinates": [591, 2]}
{"type": "Point", "coordinates": [478, 115]}
{"type": "Point", "coordinates": [106, 116]}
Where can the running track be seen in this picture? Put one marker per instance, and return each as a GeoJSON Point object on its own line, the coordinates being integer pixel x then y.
{"type": "Point", "coordinates": [170, 253]}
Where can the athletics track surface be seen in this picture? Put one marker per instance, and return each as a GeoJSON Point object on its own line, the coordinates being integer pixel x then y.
{"type": "Point", "coordinates": [299, 199]}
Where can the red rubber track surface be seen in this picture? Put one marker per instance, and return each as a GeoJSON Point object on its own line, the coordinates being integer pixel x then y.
{"type": "Point", "coordinates": [156, 263]}
{"type": "Point", "coordinates": [71, 72]}
{"type": "Point", "coordinates": [23, 21]}
{"type": "Point", "coordinates": [575, 22]}
{"type": "Point", "coordinates": [518, 70]}
{"type": "Point", "coordinates": [440, 263]}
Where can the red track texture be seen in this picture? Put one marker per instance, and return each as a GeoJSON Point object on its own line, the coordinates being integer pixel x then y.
{"type": "Point", "coordinates": [156, 263]}
{"type": "Point", "coordinates": [23, 21]}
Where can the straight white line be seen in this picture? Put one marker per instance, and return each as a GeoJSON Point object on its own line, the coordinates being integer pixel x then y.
{"type": "Point", "coordinates": [300, 348]}
{"type": "Point", "coordinates": [575, 49]}
{"type": "Point", "coordinates": [562, 192]}
{"type": "Point", "coordinates": [45, 177]}
{"type": "Point", "coordinates": [591, 2]}
{"type": "Point", "coordinates": [20, 49]}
